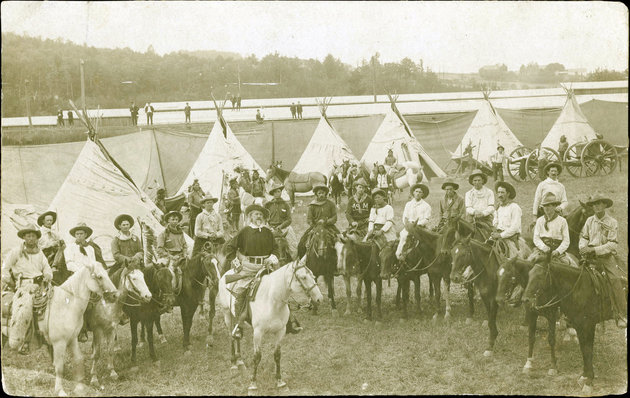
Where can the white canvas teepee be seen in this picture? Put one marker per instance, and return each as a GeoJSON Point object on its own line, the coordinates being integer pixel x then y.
{"type": "Point", "coordinates": [394, 133]}
{"type": "Point", "coordinates": [221, 154]}
{"type": "Point", "coordinates": [485, 133]}
{"type": "Point", "coordinates": [15, 217]}
{"type": "Point", "coordinates": [96, 191]}
{"type": "Point", "coordinates": [571, 123]}
{"type": "Point", "coordinates": [325, 149]}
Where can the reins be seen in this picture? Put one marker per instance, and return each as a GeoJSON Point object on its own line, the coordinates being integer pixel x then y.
{"type": "Point", "coordinates": [551, 303]}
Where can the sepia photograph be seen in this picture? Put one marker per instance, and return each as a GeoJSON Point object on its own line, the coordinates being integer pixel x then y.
{"type": "Point", "coordinates": [289, 198]}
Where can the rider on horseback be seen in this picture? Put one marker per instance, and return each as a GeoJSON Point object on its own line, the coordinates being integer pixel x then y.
{"type": "Point", "coordinates": [381, 221]}
{"type": "Point", "coordinates": [26, 267]}
{"type": "Point", "coordinates": [126, 247]}
{"type": "Point", "coordinates": [208, 226]}
{"type": "Point", "coordinates": [507, 218]}
{"type": "Point", "coordinates": [550, 184]}
{"type": "Point", "coordinates": [321, 211]}
{"type": "Point", "coordinates": [359, 207]}
{"type": "Point", "coordinates": [234, 205]}
{"type": "Point", "coordinates": [50, 243]}
{"type": "Point", "coordinates": [479, 200]}
{"type": "Point", "coordinates": [417, 213]}
{"type": "Point", "coordinates": [551, 233]}
{"type": "Point", "coordinates": [251, 250]}
{"type": "Point", "coordinates": [451, 205]}
{"type": "Point", "coordinates": [598, 246]}
{"type": "Point", "coordinates": [280, 219]}
{"type": "Point", "coordinates": [171, 244]}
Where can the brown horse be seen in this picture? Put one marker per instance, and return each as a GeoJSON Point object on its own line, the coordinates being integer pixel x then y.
{"type": "Point", "coordinates": [295, 182]}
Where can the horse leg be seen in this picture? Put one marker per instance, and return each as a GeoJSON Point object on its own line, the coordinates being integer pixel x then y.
{"type": "Point", "coordinates": [404, 282]}
{"type": "Point", "coordinates": [276, 356]}
{"type": "Point", "coordinates": [142, 334]}
{"type": "Point", "coordinates": [149, 328]}
{"type": "Point", "coordinates": [416, 293]}
{"type": "Point", "coordinates": [257, 356]}
{"type": "Point", "coordinates": [532, 318]}
{"type": "Point", "coordinates": [109, 340]}
{"type": "Point", "coordinates": [471, 302]}
{"type": "Point", "coordinates": [379, 292]}
{"type": "Point", "coordinates": [446, 284]}
{"type": "Point", "coordinates": [491, 309]}
{"type": "Point", "coordinates": [158, 326]}
{"type": "Point", "coordinates": [59, 353]}
{"type": "Point", "coordinates": [346, 281]}
{"type": "Point", "coordinates": [398, 294]}
{"type": "Point", "coordinates": [97, 338]}
{"type": "Point", "coordinates": [186, 324]}
{"type": "Point", "coordinates": [551, 338]}
{"type": "Point", "coordinates": [359, 294]}
{"type": "Point", "coordinates": [586, 336]}
{"type": "Point", "coordinates": [212, 296]}
{"type": "Point", "coordinates": [77, 367]}
{"type": "Point", "coordinates": [435, 280]}
{"type": "Point", "coordinates": [330, 283]}
{"type": "Point", "coordinates": [133, 324]}
{"type": "Point", "coordinates": [368, 297]}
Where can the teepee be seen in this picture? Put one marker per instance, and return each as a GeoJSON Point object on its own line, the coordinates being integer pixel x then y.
{"type": "Point", "coordinates": [96, 191]}
{"type": "Point", "coordinates": [571, 123]}
{"type": "Point", "coordinates": [325, 149]}
{"type": "Point", "coordinates": [485, 133]}
{"type": "Point", "coordinates": [221, 154]}
{"type": "Point", "coordinates": [394, 133]}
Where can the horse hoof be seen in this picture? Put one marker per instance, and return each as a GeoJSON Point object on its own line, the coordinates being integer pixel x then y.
{"type": "Point", "coordinates": [434, 319]}
{"type": "Point", "coordinates": [484, 324]}
{"type": "Point", "coordinates": [347, 313]}
{"type": "Point", "coordinates": [241, 364]}
{"type": "Point", "coordinates": [140, 344]}
{"type": "Point", "coordinates": [378, 323]}
{"type": "Point", "coordinates": [581, 381]}
{"type": "Point", "coordinates": [469, 321]}
{"type": "Point", "coordinates": [133, 369]}
{"type": "Point", "coordinates": [187, 352]}
{"type": "Point", "coordinates": [522, 328]}
{"type": "Point", "coordinates": [94, 382]}
{"type": "Point", "coordinates": [79, 389]}
{"type": "Point", "coordinates": [233, 368]}
{"type": "Point", "coordinates": [365, 320]}
{"type": "Point", "coordinates": [587, 390]}
{"type": "Point", "coordinates": [252, 389]}
{"type": "Point", "coordinates": [209, 341]}
{"type": "Point", "coordinates": [280, 384]}
{"type": "Point", "coordinates": [487, 353]}
{"type": "Point", "coordinates": [334, 313]}
{"type": "Point", "coordinates": [157, 363]}
{"type": "Point", "coordinates": [113, 375]}
{"type": "Point", "coordinates": [62, 393]}
{"type": "Point", "coordinates": [447, 317]}
{"type": "Point", "coordinates": [162, 339]}
{"type": "Point", "coordinates": [117, 348]}
{"type": "Point", "coordinates": [566, 338]}
{"type": "Point", "coordinates": [526, 369]}
{"type": "Point", "coordinates": [552, 372]}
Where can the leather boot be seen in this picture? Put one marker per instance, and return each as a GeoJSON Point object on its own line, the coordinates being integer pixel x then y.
{"type": "Point", "coordinates": [240, 313]}
{"type": "Point", "coordinates": [293, 326]}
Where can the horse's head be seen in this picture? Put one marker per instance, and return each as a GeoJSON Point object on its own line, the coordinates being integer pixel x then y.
{"type": "Point", "coordinates": [135, 285]}
{"type": "Point", "coordinates": [449, 234]}
{"type": "Point", "coordinates": [21, 314]}
{"type": "Point", "coordinates": [163, 293]}
{"type": "Point", "coordinates": [506, 277]}
{"type": "Point", "coordinates": [461, 255]}
{"type": "Point", "coordinates": [97, 281]}
{"type": "Point", "coordinates": [321, 241]}
{"type": "Point", "coordinates": [303, 282]}
{"type": "Point", "coordinates": [538, 284]}
{"type": "Point", "coordinates": [389, 262]}
{"type": "Point", "coordinates": [209, 262]}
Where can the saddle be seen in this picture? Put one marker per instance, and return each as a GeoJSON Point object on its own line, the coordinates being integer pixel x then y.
{"type": "Point", "coordinates": [253, 286]}
{"type": "Point", "coordinates": [602, 288]}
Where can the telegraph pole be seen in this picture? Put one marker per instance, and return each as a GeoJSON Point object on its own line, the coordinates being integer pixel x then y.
{"type": "Point", "coordinates": [82, 86]}
{"type": "Point", "coordinates": [238, 69]}
{"type": "Point", "coordinates": [374, 77]}
{"type": "Point", "coordinates": [28, 103]}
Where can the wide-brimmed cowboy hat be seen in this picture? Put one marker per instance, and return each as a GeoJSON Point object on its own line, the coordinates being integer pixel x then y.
{"type": "Point", "coordinates": [500, 146]}
{"type": "Point", "coordinates": [256, 207]}
{"type": "Point", "coordinates": [275, 186]}
{"type": "Point", "coordinates": [320, 186]}
{"type": "Point", "coordinates": [173, 213]}
{"type": "Point", "coordinates": [40, 219]}
{"type": "Point", "coordinates": [552, 164]}
{"type": "Point", "coordinates": [29, 228]}
{"type": "Point", "coordinates": [508, 187]}
{"type": "Point", "coordinates": [360, 181]}
{"type": "Point", "coordinates": [451, 183]}
{"type": "Point", "coordinates": [549, 199]}
{"type": "Point", "coordinates": [81, 227]}
{"type": "Point", "coordinates": [379, 191]}
{"type": "Point", "coordinates": [123, 217]}
{"type": "Point", "coordinates": [477, 172]}
{"type": "Point", "coordinates": [424, 188]}
{"type": "Point", "coordinates": [598, 197]}
{"type": "Point", "coordinates": [208, 198]}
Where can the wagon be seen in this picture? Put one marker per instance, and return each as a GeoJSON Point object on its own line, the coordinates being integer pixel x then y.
{"type": "Point", "coordinates": [595, 157]}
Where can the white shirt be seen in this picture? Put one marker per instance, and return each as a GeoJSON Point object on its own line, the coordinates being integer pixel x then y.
{"type": "Point", "coordinates": [558, 229]}
{"type": "Point", "coordinates": [75, 259]}
{"type": "Point", "coordinates": [385, 216]}
{"type": "Point", "coordinates": [508, 220]}
{"type": "Point", "coordinates": [417, 211]}
{"type": "Point", "coordinates": [48, 239]}
{"type": "Point", "coordinates": [29, 265]}
{"type": "Point", "coordinates": [554, 187]}
{"type": "Point", "coordinates": [381, 181]}
{"type": "Point", "coordinates": [481, 200]}
{"type": "Point", "coordinates": [600, 234]}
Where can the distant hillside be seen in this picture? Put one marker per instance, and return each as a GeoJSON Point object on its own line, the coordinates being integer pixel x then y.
{"type": "Point", "coordinates": [210, 54]}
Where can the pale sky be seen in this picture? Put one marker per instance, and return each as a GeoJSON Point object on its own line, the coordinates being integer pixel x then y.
{"type": "Point", "coordinates": [449, 36]}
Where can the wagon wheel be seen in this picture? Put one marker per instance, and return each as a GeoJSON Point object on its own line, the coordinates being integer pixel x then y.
{"type": "Point", "coordinates": [516, 163]}
{"type": "Point", "coordinates": [573, 159]}
{"type": "Point", "coordinates": [540, 156]}
{"type": "Point", "coordinates": [599, 157]}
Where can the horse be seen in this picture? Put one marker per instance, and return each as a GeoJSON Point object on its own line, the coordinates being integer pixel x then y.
{"type": "Point", "coordinates": [361, 259]}
{"type": "Point", "coordinates": [390, 265]}
{"type": "Point", "coordinates": [576, 220]}
{"type": "Point", "coordinates": [66, 307]}
{"type": "Point", "coordinates": [160, 283]}
{"type": "Point", "coordinates": [295, 182]}
{"type": "Point", "coordinates": [336, 185]}
{"type": "Point", "coordinates": [321, 259]}
{"type": "Point", "coordinates": [577, 292]}
{"type": "Point", "coordinates": [477, 262]}
{"type": "Point", "coordinates": [516, 271]}
{"type": "Point", "coordinates": [102, 318]}
{"type": "Point", "coordinates": [269, 310]}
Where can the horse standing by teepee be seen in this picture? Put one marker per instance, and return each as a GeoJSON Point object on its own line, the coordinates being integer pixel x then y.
{"type": "Point", "coordinates": [295, 182]}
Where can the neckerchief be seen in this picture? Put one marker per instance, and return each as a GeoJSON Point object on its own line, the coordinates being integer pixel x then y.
{"type": "Point", "coordinates": [122, 236]}
{"type": "Point", "coordinates": [25, 251]}
{"type": "Point", "coordinates": [549, 219]}
{"type": "Point", "coordinates": [254, 226]}
{"type": "Point", "coordinates": [82, 247]}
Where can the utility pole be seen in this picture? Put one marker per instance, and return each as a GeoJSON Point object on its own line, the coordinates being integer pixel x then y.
{"type": "Point", "coordinates": [28, 103]}
{"type": "Point", "coordinates": [238, 69]}
{"type": "Point", "coordinates": [82, 86]}
{"type": "Point", "coordinates": [374, 77]}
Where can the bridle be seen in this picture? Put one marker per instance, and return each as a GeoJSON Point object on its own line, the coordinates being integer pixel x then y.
{"type": "Point", "coordinates": [160, 296]}
{"type": "Point", "coordinates": [307, 289]}
{"type": "Point", "coordinates": [134, 292]}
{"type": "Point", "coordinates": [551, 302]}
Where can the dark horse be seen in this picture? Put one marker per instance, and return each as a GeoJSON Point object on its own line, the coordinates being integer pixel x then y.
{"type": "Point", "coordinates": [336, 187]}
{"type": "Point", "coordinates": [575, 291]}
{"type": "Point", "coordinates": [362, 259]}
{"type": "Point", "coordinates": [321, 259]}
{"type": "Point", "coordinates": [477, 262]}
{"type": "Point", "coordinates": [576, 220]}
{"type": "Point", "coordinates": [160, 284]}
{"type": "Point", "coordinates": [295, 182]}
{"type": "Point", "coordinates": [516, 272]}
{"type": "Point", "coordinates": [390, 266]}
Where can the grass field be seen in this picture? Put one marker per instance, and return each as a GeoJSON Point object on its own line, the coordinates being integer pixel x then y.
{"type": "Point", "coordinates": [343, 355]}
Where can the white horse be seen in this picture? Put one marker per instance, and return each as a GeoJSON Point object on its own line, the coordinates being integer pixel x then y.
{"type": "Point", "coordinates": [413, 175]}
{"type": "Point", "coordinates": [269, 310]}
{"type": "Point", "coordinates": [103, 317]}
{"type": "Point", "coordinates": [63, 318]}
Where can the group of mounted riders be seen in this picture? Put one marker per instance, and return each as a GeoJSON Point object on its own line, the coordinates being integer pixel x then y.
{"type": "Point", "coordinates": [268, 240]}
